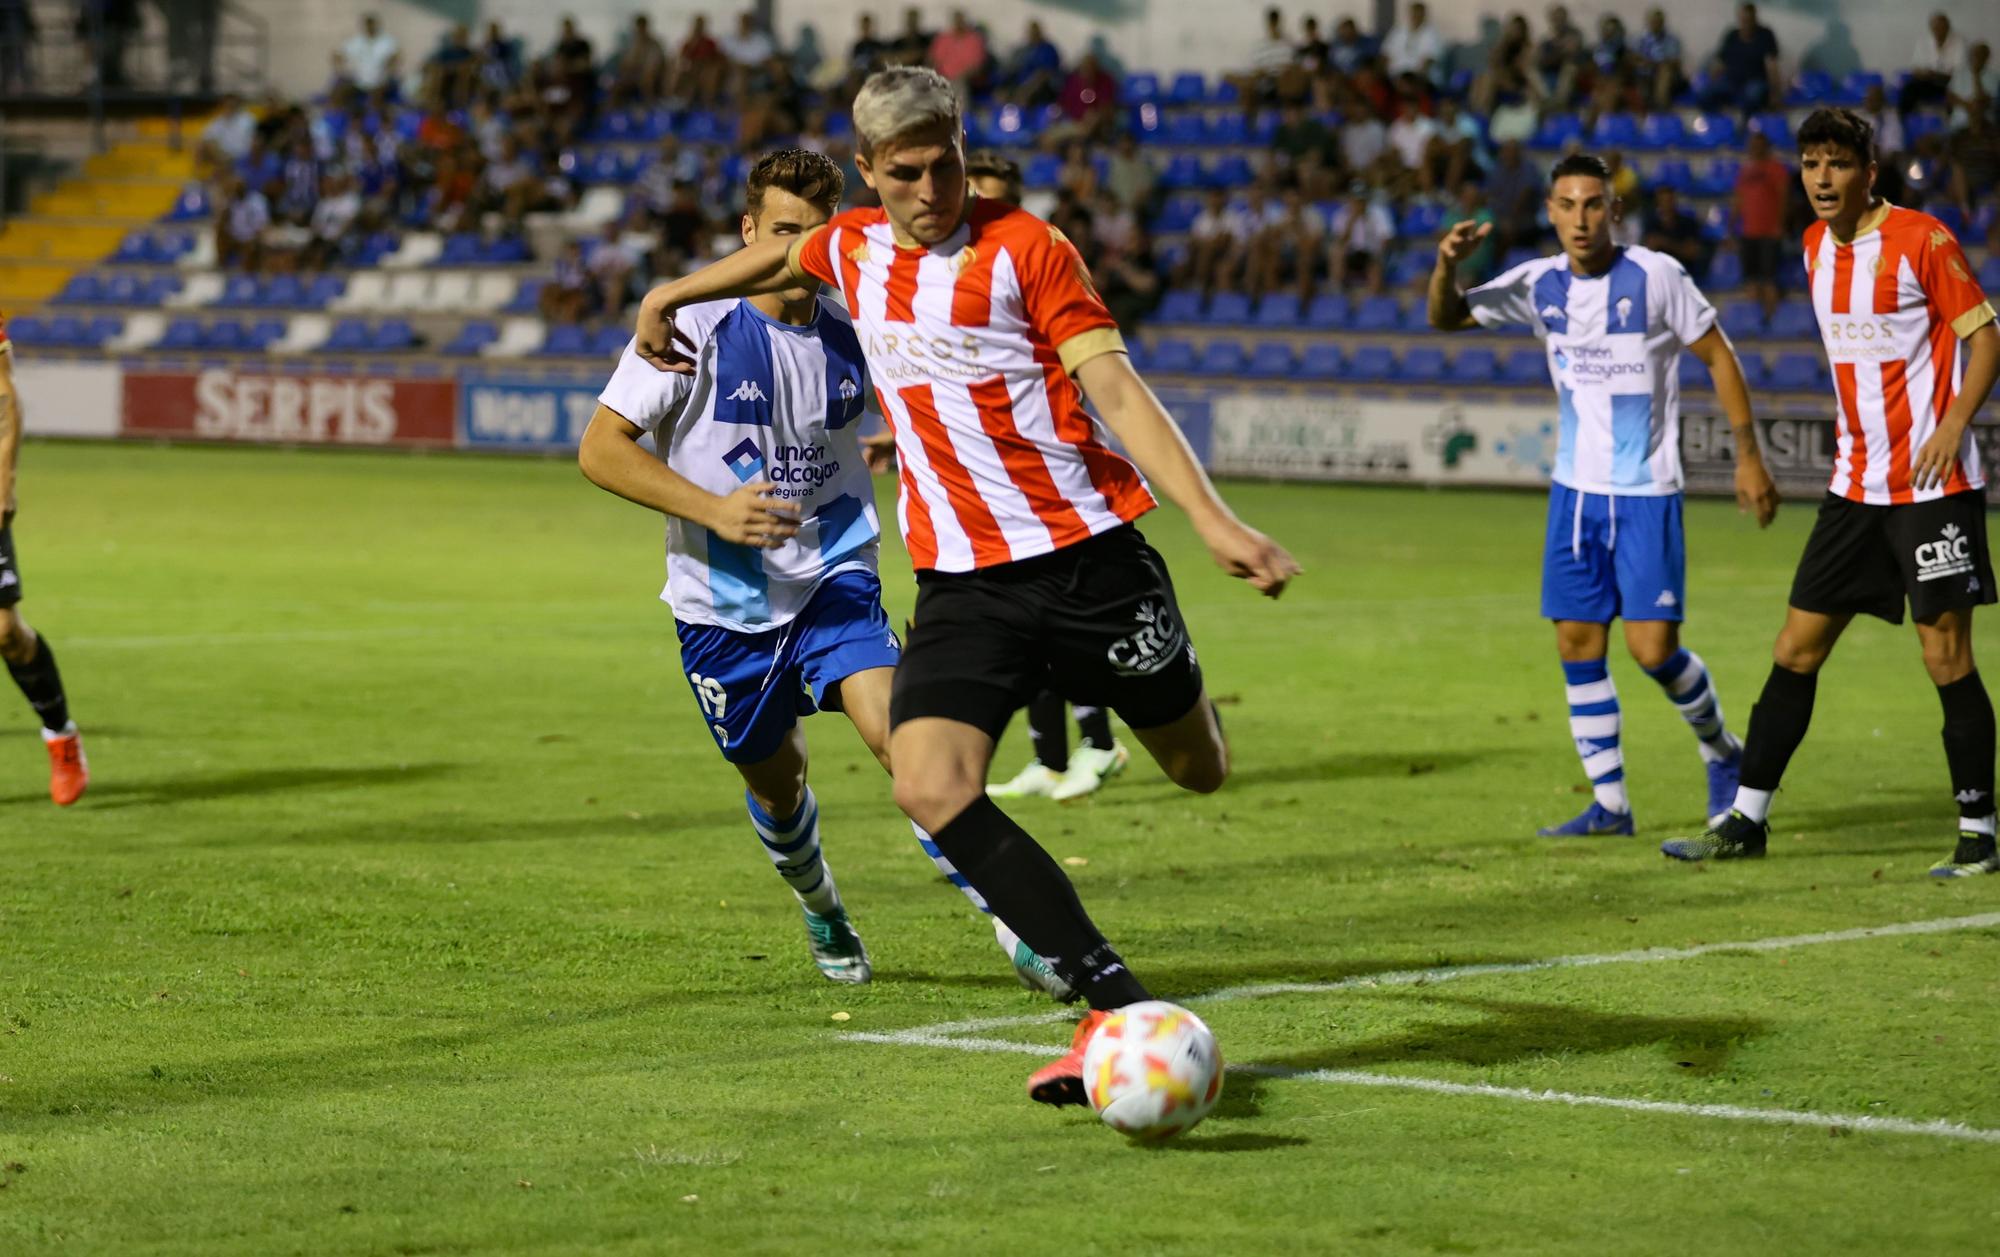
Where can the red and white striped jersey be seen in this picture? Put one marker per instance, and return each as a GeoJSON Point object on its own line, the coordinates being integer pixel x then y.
{"type": "Point", "coordinates": [971, 343]}
{"type": "Point", "coordinates": [1893, 306]}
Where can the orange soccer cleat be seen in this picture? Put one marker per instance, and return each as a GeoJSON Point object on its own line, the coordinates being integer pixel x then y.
{"type": "Point", "coordinates": [1060, 1081]}
{"type": "Point", "coordinates": [69, 772]}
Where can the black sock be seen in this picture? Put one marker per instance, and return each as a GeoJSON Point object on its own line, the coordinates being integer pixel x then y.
{"type": "Point", "coordinates": [1777, 725]}
{"type": "Point", "coordinates": [1969, 746]}
{"type": "Point", "coordinates": [1029, 891]}
{"type": "Point", "coordinates": [1093, 725]}
{"type": "Point", "coordinates": [40, 681]}
{"type": "Point", "coordinates": [1047, 732]}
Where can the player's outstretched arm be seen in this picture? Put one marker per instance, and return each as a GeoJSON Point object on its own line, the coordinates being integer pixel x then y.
{"type": "Point", "coordinates": [1933, 463]}
{"type": "Point", "coordinates": [1756, 494]}
{"type": "Point", "coordinates": [1155, 443]}
{"type": "Point", "coordinates": [1446, 305]}
{"type": "Point", "coordinates": [612, 459]}
{"type": "Point", "coordinates": [10, 436]}
{"type": "Point", "coordinates": [751, 271]}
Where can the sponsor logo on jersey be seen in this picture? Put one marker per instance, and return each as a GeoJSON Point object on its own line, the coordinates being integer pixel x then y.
{"type": "Point", "coordinates": [749, 391]}
{"type": "Point", "coordinates": [1951, 555]}
{"type": "Point", "coordinates": [1157, 641]}
{"type": "Point", "coordinates": [745, 461]}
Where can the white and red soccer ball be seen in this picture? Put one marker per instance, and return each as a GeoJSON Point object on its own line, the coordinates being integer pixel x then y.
{"type": "Point", "coordinates": [1152, 1070]}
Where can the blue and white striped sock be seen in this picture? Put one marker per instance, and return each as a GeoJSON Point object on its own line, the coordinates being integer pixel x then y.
{"type": "Point", "coordinates": [793, 845]}
{"type": "Point", "coordinates": [946, 867]}
{"type": "Point", "coordinates": [1593, 722]}
{"type": "Point", "coordinates": [1685, 679]}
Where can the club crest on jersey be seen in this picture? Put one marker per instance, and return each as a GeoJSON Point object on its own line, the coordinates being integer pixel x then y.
{"type": "Point", "coordinates": [849, 390]}
{"type": "Point", "coordinates": [1624, 311]}
{"type": "Point", "coordinates": [1875, 265]}
{"type": "Point", "coordinates": [962, 260]}
{"type": "Point", "coordinates": [745, 461]}
{"type": "Point", "coordinates": [1957, 269]}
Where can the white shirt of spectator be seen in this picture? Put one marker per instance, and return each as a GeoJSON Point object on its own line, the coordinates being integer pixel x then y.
{"type": "Point", "coordinates": [1362, 141]}
{"type": "Point", "coordinates": [1271, 56]}
{"type": "Point", "coordinates": [232, 133]}
{"type": "Point", "coordinates": [1934, 58]}
{"type": "Point", "coordinates": [1964, 88]}
{"type": "Point", "coordinates": [335, 214]}
{"type": "Point", "coordinates": [249, 214]}
{"type": "Point", "coordinates": [1408, 50]}
{"type": "Point", "coordinates": [1228, 221]}
{"type": "Point", "coordinates": [1411, 137]}
{"type": "Point", "coordinates": [367, 59]}
{"type": "Point", "coordinates": [1371, 229]}
{"type": "Point", "coordinates": [748, 50]}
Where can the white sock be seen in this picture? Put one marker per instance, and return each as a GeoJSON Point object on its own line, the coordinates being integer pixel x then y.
{"type": "Point", "coordinates": [1755, 804]}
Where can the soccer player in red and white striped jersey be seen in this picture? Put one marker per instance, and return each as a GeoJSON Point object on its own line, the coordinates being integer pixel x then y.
{"type": "Point", "coordinates": [983, 332]}
{"type": "Point", "coordinates": [1915, 353]}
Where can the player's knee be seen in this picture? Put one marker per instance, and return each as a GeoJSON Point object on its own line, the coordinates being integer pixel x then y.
{"type": "Point", "coordinates": [1947, 660]}
{"type": "Point", "coordinates": [933, 802]}
{"type": "Point", "coordinates": [1201, 774]}
{"type": "Point", "coordinates": [1799, 655]}
{"type": "Point", "coordinates": [17, 640]}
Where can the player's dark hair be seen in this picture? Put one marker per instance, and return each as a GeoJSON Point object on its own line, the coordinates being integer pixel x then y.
{"type": "Point", "coordinates": [807, 175]}
{"type": "Point", "coordinates": [1841, 129]}
{"type": "Point", "coordinates": [1581, 164]}
{"type": "Point", "coordinates": [991, 164]}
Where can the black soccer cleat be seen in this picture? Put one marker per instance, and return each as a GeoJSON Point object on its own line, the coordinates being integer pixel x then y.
{"type": "Point", "coordinates": [1734, 837]}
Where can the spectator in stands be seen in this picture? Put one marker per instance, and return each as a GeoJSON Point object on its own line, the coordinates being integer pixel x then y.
{"type": "Point", "coordinates": [511, 185]}
{"type": "Point", "coordinates": [671, 166]}
{"type": "Point", "coordinates": [1358, 241]}
{"type": "Point", "coordinates": [1515, 115]}
{"type": "Point", "coordinates": [1890, 140]}
{"type": "Point", "coordinates": [1129, 176]}
{"type": "Point", "coordinates": [450, 71]}
{"type": "Point", "coordinates": [959, 53]}
{"type": "Point", "coordinates": [1514, 190]}
{"type": "Point", "coordinates": [750, 49]}
{"type": "Point", "coordinates": [570, 296]}
{"type": "Point", "coordinates": [1313, 52]}
{"type": "Point", "coordinates": [1299, 133]}
{"type": "Point", "coordinates": [698, 79]}
{"type": "Point", "coordinates": [1274, 73]}
{"type": "Point", "coordinates": [1462, 143]}
{"type": "Point", "coordinates": [568, 75]}
{"type": "Point", "coordinates": [1940, 53]}
{"type": "Point", "coordinates": [1509, 62]}
{"type": "Point", "coordinates": [17, 45]}
{"type": "Point", "coordinates": [1032, 73]}
{"type": "Point", "coordinates": [1410, 138]}
{"type": "Point", "coordinates": [1659, 52]}
{"type": "Point", "coordinates": [684, 230]}
{"type": "Point", "coordinates": [867, 53]}
{"type": "Point", "coordinates": [453, 189]}
{"type": "Point", "coordinates": [228, 136]}
{"type": "Point", "coordinates": [1089, 104]}
{"type": "Point", "coordinates": [1114, 225]}
{"type": "Point", "coordinates": [913, 43]}
{"type": "Point", "coordinates": [1129, 281]}
{"type": "Point", "coordinates": [1351, 49]}
{"type": "Point", "coordinates": [1746, 66]}
{"type": "Point", "coordinates": [1363, 140]}
{"type": "Point", "coordinates": [993, 175]}
{"type": "Point", "coordinates": [1609, 52]}
{"type": "Point", "coordinates": [488, 125]}
{"type": "Point", "coordinates": [1671, 230]}
{"type": "Point", "coordinates": [1973, 90]}
{"type": "Point", "coordinates": [1078, 174]}
{"type": "Point", "coordinates": [1478, 266]}
{"type": "Point", "coordinates": [105, 27]}
{"type": "Point", "coordinates": [499, 59]}
{"type": "Point", "coordinates": [299, 183]}
{"type": "Point", "coordinates": [242, 216]}
{"type": "Point", "coordinates": [1413, 46]}
{"type": "Point", "coordinates": [612, 267]}
{"type": "Point", "coordinates": [1216, 243]}
{"type": "Point", "coordinates": [1761, 187]}
{"type": "Point", "coordinates": [371, 58]}
{"type": "Point", "coordinates": [813, 135]}
{"type": "Point", "coordinates": [335, 218]}
{"type": "Point", "coordinates": [1561, 59]}
{"type": "Point", "coordinates": [641, 72]}
{"type": "Point", "coordinates": [1287, 248]}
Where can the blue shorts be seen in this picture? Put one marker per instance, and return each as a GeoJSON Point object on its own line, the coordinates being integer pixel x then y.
{"type": "Point", "coordinates": [1614, 557]}
{"type": "Point", "coordinates": [753, 687]}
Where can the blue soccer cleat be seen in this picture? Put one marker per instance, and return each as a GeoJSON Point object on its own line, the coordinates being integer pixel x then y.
{"type": "Point", "coordinates": [1724, 775]}
{"type": "Point", "coordinates": [1593, 821]}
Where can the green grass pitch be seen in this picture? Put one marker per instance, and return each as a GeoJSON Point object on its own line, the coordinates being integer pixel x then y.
{"type": "Point", "coordinates": [412, 911]}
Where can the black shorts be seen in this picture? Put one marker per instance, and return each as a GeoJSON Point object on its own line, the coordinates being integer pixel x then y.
{"type": "Point", "coordinates": [1096, 622]}
{"type": "Point", "coordinates": [1760, 260]}
{"type": "Point", "coordinates": [1865, 559]}
{"type": "Point", "coordinates": [10, 575]}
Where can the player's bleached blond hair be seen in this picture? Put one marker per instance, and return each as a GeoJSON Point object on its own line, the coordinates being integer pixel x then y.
{"type": "Point", "coordinates": [901, 101]}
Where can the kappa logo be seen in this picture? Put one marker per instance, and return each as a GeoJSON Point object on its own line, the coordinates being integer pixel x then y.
{"type": "Point", "coordinates": [1551, 314]}
{"type": "Point", "coordinates": [849, 390]}
{"type": "Point", "coordinates": [859, 254]}
{"type": "Point", "coordinates": [1951, 556]}
{"type": "Point", "coordinates": [749, 391]}
{"type": "Point", "coordinates": [1970, 796]}
{"type": "Point", "coordinates": [1666, 599]}
{"type": "Point", "coordinates": [1940, 238]}
{"type": "Point", "coordinates": [1586, 748]}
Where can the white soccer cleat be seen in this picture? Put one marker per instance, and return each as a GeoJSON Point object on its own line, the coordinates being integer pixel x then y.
{"type": "Point", "coordinates": [1036, 781]}
{"type": "Point", "coordinates": [1089, 769]}
{"type": "Point", "coordinates": [1034, 972]}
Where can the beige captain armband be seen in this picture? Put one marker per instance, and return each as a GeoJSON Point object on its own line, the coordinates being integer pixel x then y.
{"type": "Point", "coordinates": [1972, 320]}
{"type": "Point", "coordinates": [1084, 346]}
{"type": "Point", "coordinates": [792, 257]}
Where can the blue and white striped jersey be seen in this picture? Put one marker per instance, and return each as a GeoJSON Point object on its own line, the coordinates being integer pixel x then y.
{"type": "Point", "coordinates": [766, 400]}
{"type": "Point", "coordinates": [1614, 343]}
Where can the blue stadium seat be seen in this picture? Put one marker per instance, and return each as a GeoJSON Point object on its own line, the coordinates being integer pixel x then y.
{"type": "Point", "coordinates": [1222, 357]}
{"type": "Point", "coordinates": [1230, 129]}
{"type": "Point", "coordinates": [28, 330]}
{"type": "Point", "coordinates": [1188, 88]}
{"type": "Point", "coordinates": [1227, 309]}
{"type": "Point", "coordinates": [1178, 214]}
{"type": "Point", "coordinates": [1557, 130]}
{"type": "Point", "coordinates": [461, 248]}
{"type": "Point", "coordinates": [611, 340]}
{"type": "Point", "coordinates": [527, 298]}
{"type": "Point", "coordinates": [1272, 360]}
{"type": "Point", "coordinates": [1139, 89]}
{"type": "Point", "coordinates": [1420, 218]}
{"type": "Point", "coordinates": [1372, 362]}
{"type": "Point", "coordinates": [1855, 86]}
{"type": "Point", "coordinates": [393, 334]}
{"type": "Point", "coordinates": [700, 127]}
{"type": "Point", "coordinates": [472, 338]}
{"type": "Point", "coordinates": [1329, 311]}
{"type": "Point", "coordinates": [1812, 87]}
{"type": "Point", "coordinates": [101, 329]}
{"type": "Point", "coordinates": [506, 251]}
{"type": "Point", "coordinates": [1184, 129]}
{"type": "Point", "coordinates": [1173, 356]}
{"type": "Point", "coordinates": [1795, 320]}
{"type": "Point", "coordinates": [1660, 131]}
{"type": "Point", "coordinates": [1989, 274]}
{"type": "Point", "coordinates": [1145, 124]}
{"type": "Point", "coordinates": [349, 336]}
{"type": "Point", "coordinates": [1526, 366]}
{"type": "Point", "coordinates": [1265, 129]}
{"type": "Point", "coordinates": [283, 292]}
{"type": "Point", "coordinates": [1183, 174]}
{"type": "Point", "coordinates": [1945, 212]}
{"type": "Point", "coordinates": [1694, 375]}
{"type": "Point", "coordinates": [1725, 273]}
{"type": "Point", "coordinates": [1043, 170]}
{"type": "Point", "coordinates": [1179, 305]}
{"type": "Point", "coordinates": [1322, 361]}
{"type": "Point", "coordinates": [182, 333]}
{"type": "Point", "coordinates": [135, 249]}
{"type": "Point", "coordinates": [226, 336]}
{"type": "Point", "coordinates": [1754, 373]}
{"type": "Point", "coordinates": [1742, 319]}
{"type": "Point", "coordinates": [1224, 93]}
{"type": "Point", "coordinates": [1718, 178]}
{"type": "Point", "coordinates": [1798, 372]}
{"type": "Point", "coordinates": [81, 290]}
{"type": "Point", "coordinates": [1232, 171]}
{"type": "Point", "coordinates": [566, 340]}
{"type": "Point", "coordinates": [1278, 309]}
{"type": "Point", "coordinates": [240, 293]}
{"type": "Point", "coordinates": [1712, 131]}
{"type": "Point", "coordinates": [1425, 364]}
{"type": "Point", "coordinates": [1517, 255]}
{"type": "Point", "coordinates": [266, 332]}
{"type": "Point", "coordinates": [1674, 173]}
{"type": "Point", "coordinates": [1378, 314]}
{"type": "Point", "coordinates": [1406, 268]}
{"type": "Point", "coordinates": [65, 331]}
{"type": "Point", "coordinates": [1010, 125]}
{"type": "Point", "coordinates": [1773, 126]}
{"type": "Point", "coordinates": [127, 290]}
{"type": "Point", "coordinates": [1615, 130]}
{"type": "Point", "coordinates": [1477, 365]}
{"type": "Point", "coordinates": [324, 289]}
{"type": "Point", "coordinates": [190, 205]}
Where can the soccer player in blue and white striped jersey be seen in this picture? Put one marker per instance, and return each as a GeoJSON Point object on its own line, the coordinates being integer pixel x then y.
{"type": "Point", "coordinates": [771, 543]}
{"type": "Point", "coordinates": [1614, 322]}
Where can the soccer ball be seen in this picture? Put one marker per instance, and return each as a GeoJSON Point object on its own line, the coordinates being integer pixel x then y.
{"type": "Point", "coordinates": [1152, 1070]}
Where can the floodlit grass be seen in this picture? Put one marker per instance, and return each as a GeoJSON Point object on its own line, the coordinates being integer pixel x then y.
{"type": "Point", "coordinates": [412, 911]}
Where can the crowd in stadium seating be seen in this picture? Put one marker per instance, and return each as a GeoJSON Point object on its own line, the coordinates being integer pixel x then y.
{"type": "Point", "coordinates": [1325, 164]}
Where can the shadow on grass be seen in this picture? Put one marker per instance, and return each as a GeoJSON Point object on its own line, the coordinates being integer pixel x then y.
{"type": "Point", "coordinates": [188, 788]}
{"type": "Point", "coordinates": [1234, 1141]}
{"type": "Point", "coordinates": [1351, 765]}
{"type": "Point", "coordinates": [459, 828]}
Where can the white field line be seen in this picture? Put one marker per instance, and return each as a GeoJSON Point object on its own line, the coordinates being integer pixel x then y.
{"type": "Point", "coordinates": [960, 1035]}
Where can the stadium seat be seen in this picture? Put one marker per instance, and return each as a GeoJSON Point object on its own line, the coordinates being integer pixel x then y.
{"type": "Point", "coordinates": [1184, 129]}
{"type": "Point", "coordinates": [1329, 311]}
{"type": "Point", "coordinates": [1222, 357]}
{"type": "Point", "coordinates": [1795, 320]}
{"type": "Point", "coordinates": [1179, 305]}
{"type": "Point", "coordinates": [1381, 313]}
{"type": "Point", "coordinates": [472, 338]}
{"type": "Point", "coordinates": [1278, 309]}
{"type": "Point", "coordinates": [1526, 366]}
{"type": "Point", "coordinates": [1557, 130]}
{"type": "Point", "coordinates": [1140, 89]}
{"type": "Point", "coordinates": [1945, 212]}
{"type": "Point", "coordinates": [1742, 319]}
{"type": "Point", "coordinates": [180, 334]}
{"type": "Point", "coordinates": [1183, 174]}
{"type": "Point", "coordinates": [191, 205]}
{"type": "Point", "coordinates": [1374, 363]}
{"type": "Point", "coordinates": [1799, 372]}
{"type": "Point", "coordinates": [1477, 365]}
{"type": "Point", "coordinates": [1754, 373]}
{"type": "Point", "coordinates": [1725, 273]}
{"type": "Point", "coordinates": [1188, 88]}
{"type": "Point", "coordinates": [1660, 131]}
{"type": "Point", "coordinates": [1989, 274]}
{"type": "Point", "coordinates": [1812, 87]}
{"type": "Point", "coordinates": [1694, 376]}
{"type": "Point", "coordinates": [1272, 360]}
{"type": "Point", "coordinates": [265, 333]}
{"type": "Point", "coordinates": [81, 290]}
{"type": "Point", "coordinates": [527, 297]}
{"type": "Point", "coordinates": [1140, 357]}
{"type": "Point", "coordinates": [349, 336]}
{"type": "Point", "coordinates": [126, 290]}
{"type": "Point", "coordinates": [225, 336]}
{"type": "Point", "coordinates": [1674, 173]}
{"type": "Point", "coordinates": [1773, 126]}
{"type": "Point", "coordinates": [240, 292]}
{"type": "Point", "coordinates": [28, 330]}
{"type": "Point", "coordinates": [460, 249]}
{"type": "Point", "coordinates": [1173, 356]}
{"type": "Point", "coordinates": [1711, 131]}
{"type": "Point", "coordinates": [506, 251]}
{"type": "Point", "coordinates": [142, 331]}
{"type": "Point", "coordinates": [136, 249]}
{"type": "Point", "coordinates": [1407, 268]}
{"type": "Point", "coordinates": [566, 340]}
{"type": "Point", "coordinates": [612, 340]}
{"type": "Point", "coordinates": [1178, 214]}
{"type": "Point", "coordinates": [393, 335]}
{"type": "Point", "coordinates": [1322, 362]}
{"type": "Point", "coordinates": [1717, 178]}
{"type": "Point", "coordinates": [1615, 130]}
{"type": "Point", "coordinates": [1227, 309]}
{"type": "Point", "coordinates": [1420, 218]}
{"type": "Point", "coordinates": [1424, 364]}
{"type": "Point", "coordinates": [1230, 130]}
{"type": "Point", "coordinates": [1232, 171]}
{"type": "Point", "coordinates": [1855, 86]}
{"type": "Point", "coordinates": [102, 328]}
